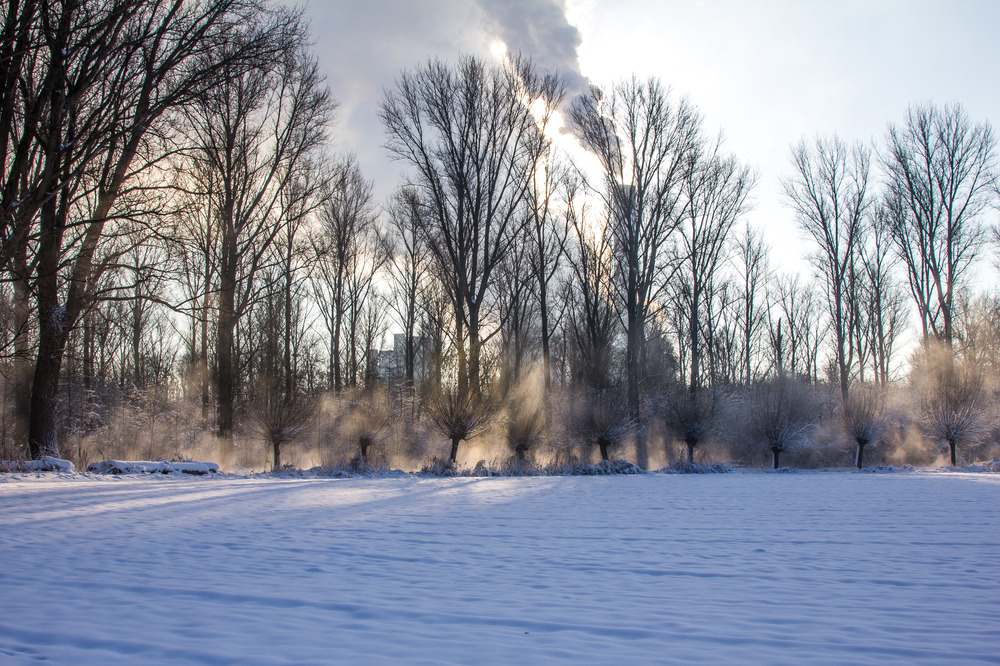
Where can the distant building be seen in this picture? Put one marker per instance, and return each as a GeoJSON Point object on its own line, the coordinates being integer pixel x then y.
{"type": "Point", "coordinates": [391, 363]}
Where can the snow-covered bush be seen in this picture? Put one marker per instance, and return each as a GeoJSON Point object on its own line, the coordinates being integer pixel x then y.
{"type": "Point", "coordinates": [152, 467]}
{"type": "Point", "coordinates": [603, 468]}
{"type": "Point", "coordinates": [43, 464]}
{"type": "Point", "coordinates": [440, 467]}
{"type": "Point", "coordinates": [685, 467]}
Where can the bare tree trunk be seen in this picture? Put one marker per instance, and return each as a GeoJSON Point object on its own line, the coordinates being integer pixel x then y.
{"type": "Point", "coordinates": [352, 345]}
{"type": "Point", "coordinates": [52, 333]}
{"type": "Point", "coordinates": [338, 316]}
{"type": "Point", "coordinates": [136, 341]}
{"type": "Point", "coordinates": [45, 387]}
{"type": "Point", "coordinates": [602, 444]}
{"type": "Point", "coordinates": [694, 339]}
{"type": "Point", "coordinates": [88, 353]}
{"type": "Point", "coordinates": [288, 315]}
{"type": "Point", "coordinates": [634, 344]}
{"type": "Point", "coordinates": [409, 352]}
{"type": "Point", "coordinates": [226, 372]}
{"type": "Point", "coordinates": [203, 370]}
{"type": "Point", "coordinates": [543, 312]}
{"type": "Point", "coordinates": [23, 372]}
{"type": "Point", "coordinates": [463, 362]}
{"type": "Point", "coordinates": [474, 350]}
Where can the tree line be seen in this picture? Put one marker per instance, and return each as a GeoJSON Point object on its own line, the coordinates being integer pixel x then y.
{"type": "Point", "coordinates": [181, 244]}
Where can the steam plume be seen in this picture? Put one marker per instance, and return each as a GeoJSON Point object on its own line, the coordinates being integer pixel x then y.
{"type": "Point", "coordinates": [540, 30]}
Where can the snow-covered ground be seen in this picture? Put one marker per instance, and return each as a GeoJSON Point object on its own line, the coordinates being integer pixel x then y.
{"type": "Point", "coordinates": [740, 568]}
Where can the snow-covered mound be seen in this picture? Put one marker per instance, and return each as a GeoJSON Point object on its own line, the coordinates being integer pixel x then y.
{"type": "Point", "coordinates": [152, 467]}
{"type": "Point", "coordinates": [831, 568]}
{"type": "Point", "coordinates": [990, 466]}
{"type": "Point", "coordinates": [43, 464]}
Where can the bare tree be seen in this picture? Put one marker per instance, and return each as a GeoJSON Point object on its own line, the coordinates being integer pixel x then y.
{"type": "Point", "coordinates": [517, 309]}
{"type": "Point", "coordinates": [370, 421]}
{"type": "Point", "coordinates": [940, 169]}
{"type": "Point", "coordinates": [295, 260]}
{"type": "Point", "coordinates": [691, 416]}
{"type": "Point", "coordinates": [460, 414]}
{"type": "Point", "coordinates": [467, 132]}
{"type": "Point", "coordinates": [643, 140]}
{"type": "Point", "coordinates": [195, 234]}
{"type": "Point", "coordinates": [953, 406]}
{"type": "Point", "coordinates": [98, 81]}
{"type": "Point", "coordinates": [725, 321]}
{"type": "Point", "coordinates": [525, 425]}
{"type": "Point", "coordinates": [780, 415]}
{"type": "Point", "coordinates": [864, 418]}
{"type": "Point", "coordinates": [278, 416]}
{"type": "Point", "coordinates": [716, 189]}
{"type": "Point", "coordinates": [881, 298]}
{"type": "Point", "coordinates": [751, 259]}
{"type": "Point", "coordinates": [796, 327]}
{"type": "Point", "coordinates": [590, 324]}
{"type": "Point", "coordinates": [978, 329]}
{"type": "Point", "coordinates": [367, 321]}
{"type": "Point", "coordinates": [829, 193]}
{"type": "Point", "coordinates": [256, 130]}
{"type": "Point", "coordinates": [348, 224]}
{"type": "Point", "coordinates": [547, 230]}
{"type": "Point", "coordinates": [601, 418]}
{"type": "Point", "coordinates": [408, 271]}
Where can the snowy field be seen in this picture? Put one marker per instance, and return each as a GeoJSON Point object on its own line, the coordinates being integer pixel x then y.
{"type": "Point", "coordinates": [732, 568]}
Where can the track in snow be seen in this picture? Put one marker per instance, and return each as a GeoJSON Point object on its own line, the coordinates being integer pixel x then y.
{"type": "Point", "coordinates": [846, 568]}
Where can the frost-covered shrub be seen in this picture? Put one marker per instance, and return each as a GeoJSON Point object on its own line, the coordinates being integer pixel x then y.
{"type": "Point", "coordinates": [440, 467]}
{"type": "Point", "coordinates": [368, 422]}
{"type": "Point", "coordinates": [460, 414]}
{"type": "Point", "coordinates": [152, 467]}
{"type": "Point", "coordinates": [887, 469]}
{"type": "Point", "coordinates": [600, 417]}
{"type": "Point", "coordinates": [954, 402]}
{"type": "Point", "coordinates": [991, 466]}
{"type": "Point", "coordinates": [863, 415]}
{"type": "Point", "coordinates": [691, 417]}
{"type": "Point", "coordinates": [780, 414]}
{"type": "Point", "coordinates": [524, 425]}
{"type": "Point", "coordinates": [355, 467]}
{"type": "Point", "coordinates": [509, 467]}
{"type": "Point", "coordinates": [603, 468]}
{"type": "Point", "coordinates": [279, 415]}
{"type": "Point", "coordinates": [685, 467]}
